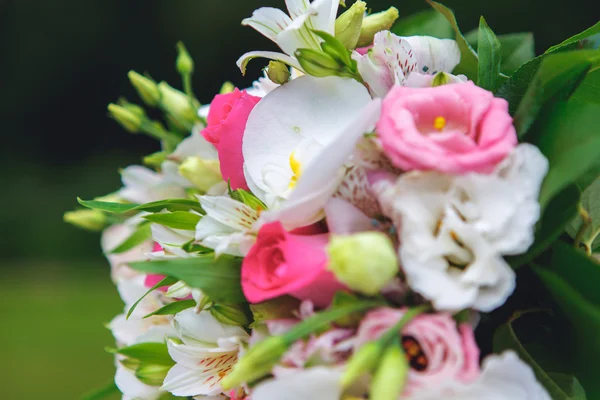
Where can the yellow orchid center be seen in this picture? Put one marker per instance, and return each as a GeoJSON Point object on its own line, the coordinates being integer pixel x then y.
{"type": "Point", "coordinates": [296, 167]}
{"type": "Point", "coordinates": [439, 123]}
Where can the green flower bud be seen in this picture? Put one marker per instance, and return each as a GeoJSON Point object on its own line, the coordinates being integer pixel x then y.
{"type": "Point", "coordinates": [363, 361]}
{"type": "Point", "coordinates": [365, 262]}
{"type": "Point", "coordinates": [184, 63]}
{"type": "Point", "coordinates": [152, 375]}
{"type": "Point", "coordinates": [390, 377]}
{"type": "Point", "coordinates": [203, 174]}
{"type": "Point", "coordinates": [278, 72]}
{"type": "Point", "coordinates": [227, 87]}
{"type": "Point", "coordinates": [155, 159]}
{"type": "Point", "coordinates": [376, 23]}
{"type": "Point", "coordinates": [92, 220]}
{"type": "Point", "coordinates": [126, 118]}
{"type": "Point", "coordinates": [348, 25]}
{"type": "Point", "coordinates": [317, 63]}
{"type": "Point", "coordinates": [256, 363]}
{"type": "Point", "coordinates": [229, 314]}
{"type": "Point", "coordinates": [146, 88]}
{"type": "Point", "coordinates": [177, 104]}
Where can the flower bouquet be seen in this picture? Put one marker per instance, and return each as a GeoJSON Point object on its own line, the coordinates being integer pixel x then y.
{"type": "Point", "coordinates": [395, 210]}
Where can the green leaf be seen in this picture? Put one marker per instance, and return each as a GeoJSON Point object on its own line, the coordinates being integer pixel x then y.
{"type": "Point", "coordinates": [173, 308]}
{"type": "Point", "coordinates": [558, 76]}
{"type": "Point", "coordinates": [243, 196]}
{"type": "Point", "coordinates": [589, 90]}
{"type": "Point", "coordinates": [177, 220]}
{"type": "Point", "coordinates": [590, 202]}
{"type": "Point", "coordinates": [102, 393]}
{"type": "Point", "coordinates": [489, 50]}
{"type": "Point", "coordinates": [139, 236]}
{"type": "Point", "coordinates": [428, 22]}
{"type": "Point", "coordinates": [593, 30]}
{"type": "Point", "coordinates": [517, 49]}
{"type": "Point", "coordinates": [218, 278]}
{"type": "Point", "coordinates": [155, 160]}
{"type": "Point", "coordinates": [148, 353]}
{"type": "Point", "coordinates": [468, 58]}
{"type": "Point", "coordinates": [155, 206]}
{"type": "Point", "coordinates": [560, 386]}
{"type": "Point", "coordinates": [334, 47]}
{"type": "Point", "coordinates": [168, 281]}
{"type": "Point", "coordinates": [571, 143]}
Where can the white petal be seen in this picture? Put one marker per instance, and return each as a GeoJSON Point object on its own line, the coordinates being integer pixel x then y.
{"type": "Point", "coordinates": [345, 219]}
{"type": "Point", "coordinates": [131, 387]}
{"type": "Point", "coordinates": [317, 383]}
{"type": "Point", "coordinates": [323, 14]}
{"type": "Point", "coordinates": [268, 21]}
{"type": "Point", "coordinates": [168, 236]}
{"type": "Point", "coordinates": [203, 327]}
{"type": "Point", "coordinates": [434, 55]}
{"type": "Point", "coordinates": [142, 185]}
{"type": "Point", "coordinates": [228, 211]}
{"type": "Point", "coordinates": [243, 61]}
{"type": "Point", "coordinates": [298, 35]}
{"type": "Point", "coordinates": [297, 7]}
{"type": "Point", "coordinates": [183, 381]}
{"type": "Point", "coordinates": [194, 146]}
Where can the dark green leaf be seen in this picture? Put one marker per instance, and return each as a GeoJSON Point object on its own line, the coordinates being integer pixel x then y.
{"type": "Point", "coordinates": [428, 22]}
{"type": "Point", "coordinates": [177, 220]}
{"type": "Point", "coordinates": [165, 282]}
{"type": "Point", "coordinates": [218, 278]}
{"type": "Point", "coordinates": [590, 202]}
{"type": "Point", "coordinates": [517, 49]}
{"type": "Point", "coordinates": [591, 31]}
{"type": "Point", "coordinates": [489, 50]}
{"type": "Point", "coordinates": [156, 206]}
{"type": "Point", "coordinates": [148, 353]}
{"type": "Point", "coordinates": [102, 393]}
{"type": "Point", "coordinates": [569, 385]}
{"type": "Point", "coordinates": [468, 58]}
{"type": "Point", "coordinates": [589, 90]}
{"type": "Point", "coordinates": [139, 236]}
{"type": "Point", "coordinates": [173, 308]}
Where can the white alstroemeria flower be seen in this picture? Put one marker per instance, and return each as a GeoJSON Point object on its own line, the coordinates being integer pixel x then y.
{"type": "Point", "coordinates": [227, 226]}
{"type": "Point", "coordinates": [204, 354]}
{"type": "Point", "coordinates": [455, 230]}
{"type": "Point", "coordinates": [503, 377]}
{"type": "Point", "coordinates": [143, 185]}
{"type": "Point", "coordinates": [394, 59]}
{"type": "Point", "coordinates": [132, 388]}
{"type": "Point", "coordinates": [291, 126]}
{"type": "Point", "coordinates": [171, 241]}
{"type": "Point", "coordinates": [294, 31]}
{"type": "Point", "coordinates": [318, 383]}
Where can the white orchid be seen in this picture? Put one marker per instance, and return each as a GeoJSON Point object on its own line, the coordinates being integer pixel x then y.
{"type": "Point", "coordinates": [411, 60]}
{"type": "Point", "coordinates": [204, 353]}
{"type": "Point", "coordinates": [293, 31]}
{"type": "Point", "coordinates": [455, 230]}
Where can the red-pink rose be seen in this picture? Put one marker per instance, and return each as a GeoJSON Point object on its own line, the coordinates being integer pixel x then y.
{"type": "Point", "coordinates": [283, 263]}
{"type": "Point", "coordinates": [226, 123]}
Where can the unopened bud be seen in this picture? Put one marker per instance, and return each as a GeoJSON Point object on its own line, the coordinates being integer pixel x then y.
{"type": "Point", "coordinates": [227, 87]}
{"type": "Point", "coordinates": [184, 63]}
{"type": "Point", "coordinates": [278, 72]}
{"type": "Point", "coordinates": [229, 314]}
{"type": "Point", "coordinates": [146, 88]}
{"type": "Point", "coordinates": [176, 103]}
{"type": "Point", "coordinates": [203, 174]}
{"type": "Point", "coordinates": [377, 22]}
{"type": "Point", "coordinates": [390, 376]}
{"type": "Point", "coordinates": [126, 118]}
{"type": "Point", "coordinates": [92, 220]}
{"type": "Point", "coordinates": [152, 375]}
{"type": "Point", "coordinates": [363, 361]}
{"type": "Point", "coordinates": [365, 261]}
{"type": "Point", "coordinates": [349, 25]}
{"type": "Point", "coordinates": [317, 63]}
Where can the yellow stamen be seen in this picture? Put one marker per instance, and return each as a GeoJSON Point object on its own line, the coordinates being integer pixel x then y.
{"type": "Point", "coordinates": [439, 123]}
{"type": "Point", "coordinates": [296, 169]}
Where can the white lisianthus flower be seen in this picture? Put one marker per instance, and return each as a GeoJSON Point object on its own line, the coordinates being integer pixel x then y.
{"type": "Point", "coordinates": [411, 61]}
{"type": "Point", "coordinates": [455, 230]}
{"type": "Point", "coordinates": [293, 31]}
{"type": "Point", "coordinates": [318, 383]}
{"type": "Point", "coordinates": [204, 353]}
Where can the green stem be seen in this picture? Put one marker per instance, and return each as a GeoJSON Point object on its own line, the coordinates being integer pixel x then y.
{"type": "Point", "coordinates": [585, 224]}
{"type": "Point", "coordinates": [391, 334]}
{"type": "Point", "coordinates": [157, 132]}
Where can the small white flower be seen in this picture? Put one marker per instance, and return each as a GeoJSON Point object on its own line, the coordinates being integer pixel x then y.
{"type": "Point", "coordinates": [454, 230]}
{"type": "Point", "coordinates": [204, 354]}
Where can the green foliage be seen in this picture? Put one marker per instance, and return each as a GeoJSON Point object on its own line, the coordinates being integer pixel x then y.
{"type": "Point", "coordinates": [155, 206]}
{"type": "Point", "coordinates": [517, 49]}
{"type": "Point", "coordinates": [102, 392]}
{"type": "Point", "coordinates": [173, 308]}
{"type": "Point", "coordinates": [332, 60]}
{"type": "Point", "coordinates": [177, 220]}
{"type": "Point", "coordinates": [139, 236]}
{"type": "Point", "coordinates": [591, 31]}
{"type": "Point", "coordinates": [588, 234]}
{"type": "Point", "coordinates": [148, 353]}
{"type": "Point", "coordinates": [244, 196]}
{"type": "Point", "coordinates": [489, 50]}
{"type": "Point", "coordinates": [428, 22]}
{"type": "Point", "coordinates": [218, 278]}
{"type": "Point", "coordinates": [589, 90]}
{"type": "Point", "coordinates": [165, 282]}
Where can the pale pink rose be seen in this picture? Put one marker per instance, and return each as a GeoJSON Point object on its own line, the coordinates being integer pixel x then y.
{"type": "Point", "coordinates": [226, 123]}
{"type": "Point", "coordinates": [282, 263]}
{"type": "Point", "coordinates": [438, 350]}
{"type": "Point", "coordinates": [454, 128]}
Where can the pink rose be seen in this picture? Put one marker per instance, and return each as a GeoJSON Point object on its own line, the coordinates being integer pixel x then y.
{"type": "Point", "coordinates": [226, 123]}
{"type": "Point", "coordinates": [454, 128]}
{"type": "Point", "coordinates": [438, 350]}
{"type": "Point", "coordinates": [282, 263]}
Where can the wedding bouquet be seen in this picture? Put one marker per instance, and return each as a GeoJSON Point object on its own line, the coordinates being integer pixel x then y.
{"type": "Point", "coordinates": [395, 210]}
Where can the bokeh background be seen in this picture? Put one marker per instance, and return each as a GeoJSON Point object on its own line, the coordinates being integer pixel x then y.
{"type": "Point", "coordinates": [61, 63]}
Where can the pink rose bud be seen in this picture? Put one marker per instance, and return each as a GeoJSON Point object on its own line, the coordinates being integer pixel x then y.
{"type": "Point", "coordinates": [455, 128]}
{"type": "Point", "coordinates": [226, 123]}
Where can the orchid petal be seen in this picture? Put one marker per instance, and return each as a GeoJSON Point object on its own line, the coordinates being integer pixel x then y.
{"type": "Point", "coordinates": [434, 55]}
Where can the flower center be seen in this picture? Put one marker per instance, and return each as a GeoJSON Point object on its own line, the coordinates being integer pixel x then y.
{"type": "Point", "coordinates": [415, 354]}
{"type": "Point", "coordinates": [296, 170]}
{"type": "Point", "coordinates": [439, 123]}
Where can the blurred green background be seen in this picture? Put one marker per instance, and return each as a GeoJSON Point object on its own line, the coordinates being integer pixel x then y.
{"type": "Point", "coordinates": [61, 63]}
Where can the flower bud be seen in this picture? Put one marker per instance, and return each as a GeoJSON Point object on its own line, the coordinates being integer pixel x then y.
{"type": "Point", "coordinates": [129, 120]}
{"type": "Point", "coordinates": [152, 375]}
{"type": "Point", "coordinates": [278, 72]}
{"type": "Point", "coordinates": [317, 63]}
{"type": "Point", "coordinates": [176, 103]}
{"type": "Point", "coordinates": [146, 88]}
{"type": "Point", "coordinates": [374, 23]}
{"type": "Point", "coordinates": [364, 360]}
{"type": "Point", "coordinates": [203, 174]}
{"type": "Point", "coordinates": [229, 314]}
{"type": "Point", "coordinates": [256, 363]}
{"type": "Point", "coordinates": [184, 63]}
{"type": "Point", "coordinates": [390, 377]}
{"type": "Point", "coordinates": [227, 87]}
{"type": "Point", "coordinates": [92, 220]}
{"type": "Point", "coordinates": [349, 24]}
{"type": "Point", "coordinates": [155, 159]}
{"type": "Point", "coordinates": [365, 262]}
